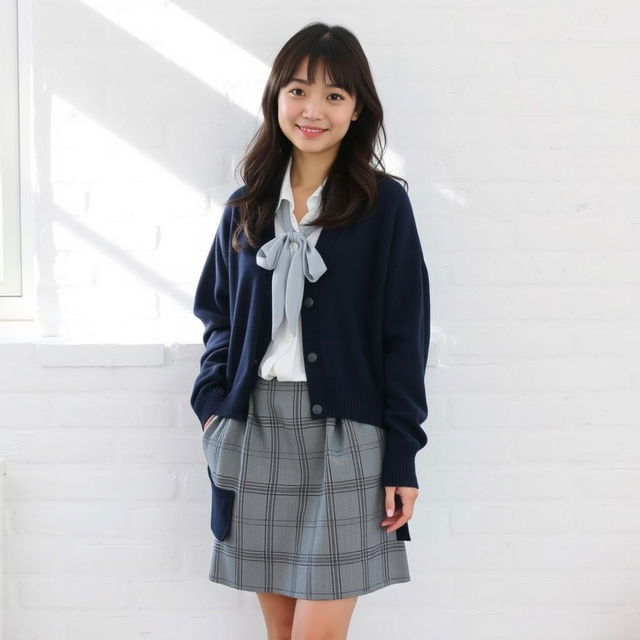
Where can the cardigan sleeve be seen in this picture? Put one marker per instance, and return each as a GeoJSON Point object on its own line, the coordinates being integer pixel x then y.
{"type": "Point", "coordinates": [406, 335]}
{"type": "Point", "coordinates": [211, 306]}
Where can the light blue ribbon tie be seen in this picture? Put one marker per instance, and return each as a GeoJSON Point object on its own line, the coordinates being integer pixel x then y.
{"type": "Point", "coordinates": [289, 270]}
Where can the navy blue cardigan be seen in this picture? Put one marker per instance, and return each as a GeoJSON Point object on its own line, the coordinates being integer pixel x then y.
{"type": "Point", "coordinates": [365, 325]}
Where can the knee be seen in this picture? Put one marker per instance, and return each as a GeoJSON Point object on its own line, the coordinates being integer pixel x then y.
{"type": "Point", "coordinates": [317, 634]}
{"type": "Point", "coordinates": [279, 629]}
{"type": "Point", "coordinates": [279, 632]}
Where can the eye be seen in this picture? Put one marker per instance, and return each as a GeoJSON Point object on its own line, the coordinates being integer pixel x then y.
{"type": "Point", "coordinates": [332, 94]}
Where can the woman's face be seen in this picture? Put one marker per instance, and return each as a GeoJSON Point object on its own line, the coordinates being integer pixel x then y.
{"type": "Point", "coordinates": [317, 106]}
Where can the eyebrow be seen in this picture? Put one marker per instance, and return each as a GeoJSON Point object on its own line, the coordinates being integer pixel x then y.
{"type": "Point", "coordinates": [303, 81]}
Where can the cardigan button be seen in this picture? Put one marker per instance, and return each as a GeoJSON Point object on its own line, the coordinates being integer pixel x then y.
{"type": "Point", "coordinates": [317, 408]}
{"type": "Point", "coordinates": [312, 357]}
{"type": "Point", "coordinates": [308, 302]}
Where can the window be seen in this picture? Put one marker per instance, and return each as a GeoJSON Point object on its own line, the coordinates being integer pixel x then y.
{"type": "Point", "coordinates": [16, 295]}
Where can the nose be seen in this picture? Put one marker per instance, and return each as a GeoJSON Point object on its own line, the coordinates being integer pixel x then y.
{"type": "Point", "coordinates": [313, 109]}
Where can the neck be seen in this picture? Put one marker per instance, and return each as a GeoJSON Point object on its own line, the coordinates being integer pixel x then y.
{"type": "Point", "coordinates": [309, 170]}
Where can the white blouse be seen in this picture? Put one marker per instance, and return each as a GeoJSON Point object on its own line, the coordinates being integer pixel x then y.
{"type": "Point", "coordinates": [284, 358]}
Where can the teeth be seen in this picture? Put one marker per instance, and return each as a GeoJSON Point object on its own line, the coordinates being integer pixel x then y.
{"type": "Point", "coordinates": [310, 130]}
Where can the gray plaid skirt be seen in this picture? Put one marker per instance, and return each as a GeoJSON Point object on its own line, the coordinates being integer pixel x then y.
{"type": "Point", "coordinates": [297, 501]}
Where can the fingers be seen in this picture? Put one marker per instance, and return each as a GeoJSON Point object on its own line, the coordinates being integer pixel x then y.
{"type": "Point", "coordinates": [401, 501]}
{"type": "Point", "coordinates": [389, 500]}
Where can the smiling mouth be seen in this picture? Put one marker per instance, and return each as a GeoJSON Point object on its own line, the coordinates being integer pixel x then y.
{"type": "Point", "coordinates": [310, 129]}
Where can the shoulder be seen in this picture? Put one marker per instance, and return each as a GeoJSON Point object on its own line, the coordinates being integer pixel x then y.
{"type": "Point", "coordinates": [389, 186]}
{"type": "Point", "coordinates": [393, 200]}
{"type": "Point", "coordinates": [238, 192]}
{"type": "Point", "coordinates": [393, 195]}
{"type": "Point", "coordinates": [396, 210]}
{"type": "Point", "coordinates": [230, 209]}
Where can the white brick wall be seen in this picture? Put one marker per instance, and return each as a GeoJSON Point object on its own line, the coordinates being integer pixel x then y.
{"type": "Point", "coordinates": [517, 126]}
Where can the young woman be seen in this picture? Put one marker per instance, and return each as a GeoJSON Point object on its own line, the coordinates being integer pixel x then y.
{"type": "Point", "coordinates": [315, 302]}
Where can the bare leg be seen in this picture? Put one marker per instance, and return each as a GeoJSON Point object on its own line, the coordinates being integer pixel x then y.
{"type": "Point", "coordinates": [322, 619]}
{"type": "Point", "coordinates": [278, 613]}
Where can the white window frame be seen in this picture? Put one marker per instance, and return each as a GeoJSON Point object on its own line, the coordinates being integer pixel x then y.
{"type": "Point", "coordinates": [17, 188]}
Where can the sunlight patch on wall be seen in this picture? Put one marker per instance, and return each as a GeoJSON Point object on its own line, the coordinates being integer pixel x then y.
{"type": "Point", "coordinates": [94, 170]}
{"type": "Point", "coordinates": [196, 48]}
{"type": "Point", "coordinates": [128, 237]}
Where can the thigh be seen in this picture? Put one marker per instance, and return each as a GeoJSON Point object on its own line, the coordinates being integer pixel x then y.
{"type": "Point", "coordinates": [322, 619]}
{"type": "Point", "coordinates": [278, 611]}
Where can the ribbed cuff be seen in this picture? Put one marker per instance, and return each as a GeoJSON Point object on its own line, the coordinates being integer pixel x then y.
{"type": "Point", "coordinates": [207, 402]}
{"type": "Point", "coordinates": [399, 463]}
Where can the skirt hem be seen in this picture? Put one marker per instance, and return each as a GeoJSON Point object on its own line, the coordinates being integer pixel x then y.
{"type": "Point", "coordinates": [307, 596]}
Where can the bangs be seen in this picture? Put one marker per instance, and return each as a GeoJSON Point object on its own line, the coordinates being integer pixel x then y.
{"type": "Point", "coordinates": [337, 62]}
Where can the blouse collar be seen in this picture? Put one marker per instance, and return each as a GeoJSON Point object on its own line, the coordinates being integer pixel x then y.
{"type": "Point", "coordinates": [286, 193]}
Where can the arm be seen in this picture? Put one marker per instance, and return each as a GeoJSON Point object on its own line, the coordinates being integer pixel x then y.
{"type": "Point", "coordinates": [211, 305]}
{"type": "Point", "coordinates": [406, 335]}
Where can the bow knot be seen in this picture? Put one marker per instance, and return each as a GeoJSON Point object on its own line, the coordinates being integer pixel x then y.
{"type": "Point", "coordinates": [289, 270]}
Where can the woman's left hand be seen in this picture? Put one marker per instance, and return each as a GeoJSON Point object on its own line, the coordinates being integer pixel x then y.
{"type": "Point", "coordinates": [402, 513]}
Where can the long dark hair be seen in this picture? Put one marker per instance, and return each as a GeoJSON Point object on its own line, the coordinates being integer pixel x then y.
{"type": "Point", "coordinates": [351, 186]}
